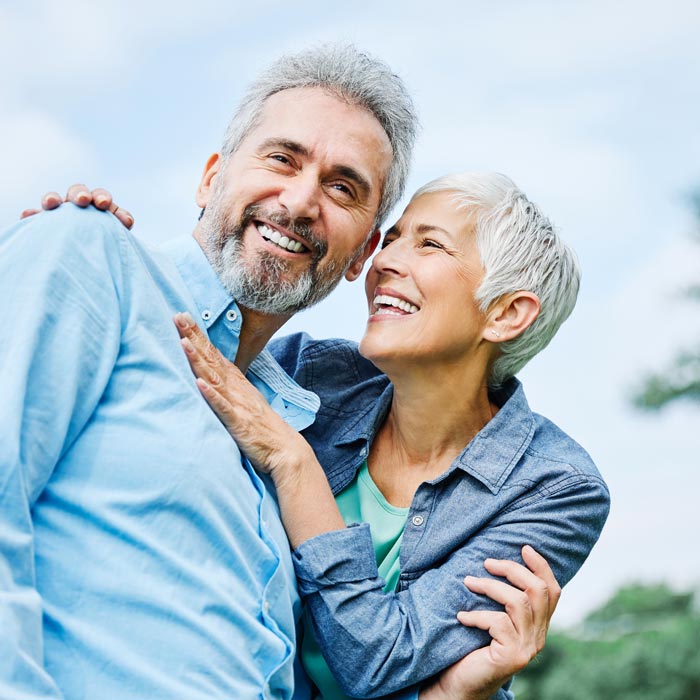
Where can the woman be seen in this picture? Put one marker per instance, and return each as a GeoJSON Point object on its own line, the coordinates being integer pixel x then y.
{"type": "Point", "coordinates": [425, 434]}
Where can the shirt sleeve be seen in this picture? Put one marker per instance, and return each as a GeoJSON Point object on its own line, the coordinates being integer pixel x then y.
{"type": "Point", "coordinates": [59, 297]}
{"type": "Point", "coordinates": [377, 643]}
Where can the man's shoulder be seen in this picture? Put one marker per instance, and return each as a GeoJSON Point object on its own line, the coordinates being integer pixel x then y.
{"type": "Point", "coordinates": [66, 233]}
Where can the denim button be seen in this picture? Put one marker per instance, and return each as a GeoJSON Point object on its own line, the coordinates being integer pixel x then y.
{"type": "Point", "coordinates": [206, 314]}
{"type": "Point", "coordinates": [417, 520]}
{"type": "Point", "coordinates": [231, 315]}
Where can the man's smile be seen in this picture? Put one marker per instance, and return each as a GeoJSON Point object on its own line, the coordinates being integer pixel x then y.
{"type": "Point", "coordinates": [284, 240]}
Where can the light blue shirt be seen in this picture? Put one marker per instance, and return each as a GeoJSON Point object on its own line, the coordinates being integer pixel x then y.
{"type": "Point", "coordinates": [139, 557]}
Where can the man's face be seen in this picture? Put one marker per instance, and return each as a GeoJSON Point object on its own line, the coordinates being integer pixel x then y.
{"type": "Point", "coordinates": [292, 210]}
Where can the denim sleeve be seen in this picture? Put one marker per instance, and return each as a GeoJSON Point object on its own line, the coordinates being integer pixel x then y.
{"type": "Point", "coordinates": [59, 305]}
{"type": "Point", "coordinates": [377, 643]}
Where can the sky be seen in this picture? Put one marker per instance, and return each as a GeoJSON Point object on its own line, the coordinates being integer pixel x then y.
{"type": "Point", "coordinates": [592, 108]}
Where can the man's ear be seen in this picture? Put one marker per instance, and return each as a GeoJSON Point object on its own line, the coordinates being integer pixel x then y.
{"type": "Point", "coordinates": [212, 167]}
{"type": "Point", "coordinates": [511, 316]}
{"type": "Point", "coordinates": [355, 270]}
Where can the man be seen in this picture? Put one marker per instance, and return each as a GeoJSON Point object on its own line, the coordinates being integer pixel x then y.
{"type": "Point", "coordinates": [141, 556]}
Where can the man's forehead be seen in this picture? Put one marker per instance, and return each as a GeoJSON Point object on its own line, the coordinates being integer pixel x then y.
{"type": "Point", "coordinates": [314, 121]}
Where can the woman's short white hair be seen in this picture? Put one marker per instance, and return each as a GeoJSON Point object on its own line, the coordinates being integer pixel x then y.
{"type": "Point", "coordinates": [520, 251]}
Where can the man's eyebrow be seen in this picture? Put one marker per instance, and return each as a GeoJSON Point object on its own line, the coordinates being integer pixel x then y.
{"type": "Point", "coordinates": [276, 142]}
{"type": "Point", "coordinates": [346, 171]}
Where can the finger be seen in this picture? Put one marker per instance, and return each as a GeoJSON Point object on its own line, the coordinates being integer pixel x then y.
{"type": "Point", "coordinates": [201, 367]}
{"type": "Point", "coordinates": [490, 620]}
{"type": "Point", "coordinates": [520, 576]}
{"type": "Point", "coordinates": [51, 200]}
{"type": "Point", "coordinates": [188, 329]}
{"type": "Point", "coordinates": [122, 214]}
{"type": "Point", "coordinates": [506, 641]}
{"type": "Point", "coordinates": [101, 198]}
{"type": "Point", "coordinates": [79, 194]}
{"type": "Point", "coordinates": [217, 402]}
{"type": "Point", "coordinates": [29, 212]}
{"type": "Point", "coordinates": [541, 568]}
{"type": "Point", "coordinates": [516, 602]}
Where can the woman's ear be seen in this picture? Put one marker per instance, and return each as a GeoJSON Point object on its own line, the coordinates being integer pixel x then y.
{"type": "Point", "coordinates": [512, 315]}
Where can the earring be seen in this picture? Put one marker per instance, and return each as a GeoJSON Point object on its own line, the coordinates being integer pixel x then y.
{"type": "Point", "coordinates": [496, 333]}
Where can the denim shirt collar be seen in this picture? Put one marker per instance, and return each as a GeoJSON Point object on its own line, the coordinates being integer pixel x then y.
{"type": "Point", "coordinates": [492, 453]}
{"type": "Point", "coordinates": [216, 308]}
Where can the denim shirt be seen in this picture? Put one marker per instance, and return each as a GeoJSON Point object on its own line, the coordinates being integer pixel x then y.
{"type": "Point", "coordinates": [520, 480]}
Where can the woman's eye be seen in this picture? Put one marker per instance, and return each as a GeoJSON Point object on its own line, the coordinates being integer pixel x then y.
{"type": "Point", "coordinates": [385, 242]}
{"type": "Point", "coordinates": [429, 243]}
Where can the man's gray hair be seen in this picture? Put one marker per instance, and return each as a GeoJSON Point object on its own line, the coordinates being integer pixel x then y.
{"type": "Point", "coordinates": [354, 76]}
{"type": "Point", "coordinates": [520, 251]}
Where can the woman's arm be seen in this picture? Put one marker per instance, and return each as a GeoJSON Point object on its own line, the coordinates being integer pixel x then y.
{"type": "Point", "coordinates": [377, 643]}
{"type": "Point", "coordinates": [307, 504]}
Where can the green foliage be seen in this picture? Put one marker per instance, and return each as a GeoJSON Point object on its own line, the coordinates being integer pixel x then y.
{"type": "Point", "coordinates": [681, 380]}
{"type": "Point", "coordinates": [643, 644]}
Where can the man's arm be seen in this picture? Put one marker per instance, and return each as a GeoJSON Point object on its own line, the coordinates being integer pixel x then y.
{"type": "Point", "coordinates": [60, 311]}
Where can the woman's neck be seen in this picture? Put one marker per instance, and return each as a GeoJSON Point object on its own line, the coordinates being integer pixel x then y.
{"type": "Point", "coordinates": [434, 414]}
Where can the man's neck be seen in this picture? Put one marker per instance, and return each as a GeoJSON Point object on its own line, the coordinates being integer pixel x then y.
{"type": "Point", "coordinates": [256, 330]}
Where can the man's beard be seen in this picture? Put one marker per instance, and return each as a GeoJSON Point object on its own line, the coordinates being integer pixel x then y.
{"type": "Point", "coordinates": [263, 281]}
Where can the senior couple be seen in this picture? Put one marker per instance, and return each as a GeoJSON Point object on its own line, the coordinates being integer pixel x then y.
{"type": "Point", "coordinates": [146, 554]}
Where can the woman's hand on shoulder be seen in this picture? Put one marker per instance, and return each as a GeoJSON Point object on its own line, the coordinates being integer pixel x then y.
{"type": "Point", "coordinates": [269, 443]}
{"type": "Point", "coordinates": [81, 196]}
{"type": "Point", "coordinates": [517, 634]}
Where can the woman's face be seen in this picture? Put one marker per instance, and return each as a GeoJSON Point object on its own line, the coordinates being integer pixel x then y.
{"type": "Point", "coordinates": [420, 287]}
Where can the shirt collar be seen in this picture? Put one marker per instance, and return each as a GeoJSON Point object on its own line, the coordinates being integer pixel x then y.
{"type": "Point", "coordinates": [492, 453]}
{"type": "Point", "coordinates": [296, 405]}
{"type": "Point", "coordinates": [210, 296]}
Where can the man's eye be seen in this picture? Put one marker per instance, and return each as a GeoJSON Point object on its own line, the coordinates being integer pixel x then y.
{"type": "Point", "coordinates": [281, 158]}
{"type": "Point", "coordinates": [343, 189]}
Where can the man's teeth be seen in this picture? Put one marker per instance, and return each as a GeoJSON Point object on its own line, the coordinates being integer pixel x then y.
{"type": "Point", "coordinates": [277, 238]}
{"type": "Point", "coordinates": [384, 300]}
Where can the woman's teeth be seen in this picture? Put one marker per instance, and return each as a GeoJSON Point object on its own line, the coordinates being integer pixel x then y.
{"type": "Point", "coordinates": [277, 238]}
{"type": "Point", "coordinates": [382, 301]}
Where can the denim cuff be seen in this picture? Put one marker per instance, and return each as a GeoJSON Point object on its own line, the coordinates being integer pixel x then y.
{"type": "Point", "coordinates": [340, 556]}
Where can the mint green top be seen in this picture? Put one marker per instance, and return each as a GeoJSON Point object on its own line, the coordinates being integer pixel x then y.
{"type": "Point", "coordinates": [359, 502]}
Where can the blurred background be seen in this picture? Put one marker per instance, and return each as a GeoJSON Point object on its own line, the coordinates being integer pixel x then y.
{"type": "Point", "coordinates": [592, 108]}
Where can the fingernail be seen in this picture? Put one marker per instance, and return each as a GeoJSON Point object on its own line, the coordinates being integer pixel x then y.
{"type": "Point", "coordinates": [83, 196]}
{"type": "Point", "coordinates": [187, 345]}
{"type": "Point", "coordinates": [181, 320]}
{"type": "Point", "coordinates": [101, 201]}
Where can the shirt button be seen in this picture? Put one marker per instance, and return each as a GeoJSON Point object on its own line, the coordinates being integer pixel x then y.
{"type": "Point", "coordinates": [417, 520]}
{"type": "Point", "coordinates": [363, 452]}
{"type": "Point", "coordinates": [206, 314]}
{"type": "Point", "coordinates": [231, 315]}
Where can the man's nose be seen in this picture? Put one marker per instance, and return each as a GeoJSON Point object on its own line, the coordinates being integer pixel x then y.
{"type": "Point", "coordinates": [301, 197]}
